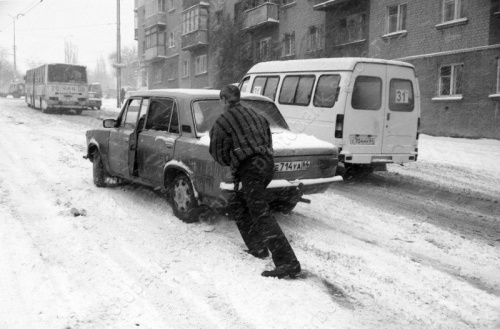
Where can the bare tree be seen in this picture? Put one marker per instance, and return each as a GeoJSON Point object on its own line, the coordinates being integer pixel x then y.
{"type": "Point", "coordinates": [6, 68]}
{"type": "Point", "coordinates": [128, 57]}
{"type": "Point", "coordinates": [70, 52]}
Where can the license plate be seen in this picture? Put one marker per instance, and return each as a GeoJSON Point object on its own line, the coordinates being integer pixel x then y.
{"type": "Point", "coordinates": [362, 140]}
{"type": "Point", "coordinates": [292, 166]}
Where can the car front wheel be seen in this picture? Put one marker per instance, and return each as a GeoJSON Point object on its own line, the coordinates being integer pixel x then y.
{"type": "Point", "coordinates": [99, 172]}
{"type": "Point", "coordinates": [182, 197]}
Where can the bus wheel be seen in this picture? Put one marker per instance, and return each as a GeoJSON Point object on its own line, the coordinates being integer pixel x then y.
{"type": "Point", "coordinates": [78, 111]}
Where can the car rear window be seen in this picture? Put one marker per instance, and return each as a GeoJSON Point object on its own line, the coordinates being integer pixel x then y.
{"type": "Point", "coordinates": [297, 90]}
{"type": "Point", "coordinates": [327, 90]}
{"type": "Point", "coordinates": [206, 112]}
{"type": "Point", "coordinates": [367, 94]}
{"type": "Point", "coordinates": [401, 95]}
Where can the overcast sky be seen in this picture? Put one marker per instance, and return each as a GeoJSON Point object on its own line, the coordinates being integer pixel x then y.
{"type": "Point", "coordinates": [46, 24]}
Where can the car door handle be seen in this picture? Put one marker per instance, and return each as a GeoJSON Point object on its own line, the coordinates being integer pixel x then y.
{"type": "Point", "coordinates": [388, 116]}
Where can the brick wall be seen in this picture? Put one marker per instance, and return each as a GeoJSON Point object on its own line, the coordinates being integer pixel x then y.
{"type": "Point", "coordinates": [476, 115]}
{"type": "Point", "coordinates": [423, 37]}
{"type": "Point", "coordinates": [298, 18]}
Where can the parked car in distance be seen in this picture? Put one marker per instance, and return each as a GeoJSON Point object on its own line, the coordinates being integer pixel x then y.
{"type": "Point", "coordinates": [95, 95]}
{"type": "Point", "coordinates": [160, 139]}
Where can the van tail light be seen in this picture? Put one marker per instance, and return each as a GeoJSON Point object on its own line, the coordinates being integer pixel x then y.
{"type": "Point", "coordinates": [418, 128]}
{"type": "Point", "coordinates": [339, 126]}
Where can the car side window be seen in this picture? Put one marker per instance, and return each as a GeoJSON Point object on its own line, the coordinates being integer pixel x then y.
{"type": "Point", "coordinates": [163, 115]}
{"type": "Point", "coordinates": [297, 90]}
{"type": "Point", "coordinates": [142, 113]}
{"type": "Point", "coordinates": [129, 119]}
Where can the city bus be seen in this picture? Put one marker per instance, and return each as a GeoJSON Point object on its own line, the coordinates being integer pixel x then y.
{"type": "Point", "coordinates": [57, 87]}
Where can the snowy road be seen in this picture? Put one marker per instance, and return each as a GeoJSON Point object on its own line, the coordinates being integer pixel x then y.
{"type": "Point", "coordinates": [415, 247]}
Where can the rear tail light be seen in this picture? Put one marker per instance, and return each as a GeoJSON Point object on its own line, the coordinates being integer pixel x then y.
{"type": "Point", "coordinates": [325, 163]}
{"type": "Point", "coordinates": [418, 128]}
{"type": "Point", "coordinates": [339, 126]}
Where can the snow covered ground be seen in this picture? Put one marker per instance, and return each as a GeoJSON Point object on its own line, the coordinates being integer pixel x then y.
{"type": "Point", "coordinates": [414, 247]}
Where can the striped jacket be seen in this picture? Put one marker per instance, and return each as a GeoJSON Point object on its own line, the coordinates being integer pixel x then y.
{"type": "Point", "coordinates": [238, 134]}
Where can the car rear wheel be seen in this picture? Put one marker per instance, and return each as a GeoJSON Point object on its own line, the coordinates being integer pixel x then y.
{"type": "Point", "coordinates": [182, 197]}
{"type": "Point", "coordinates": [100, 173]}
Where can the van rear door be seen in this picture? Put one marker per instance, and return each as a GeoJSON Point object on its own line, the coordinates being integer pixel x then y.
{"type": "Point", "coordinates": [365, 111]}
{"type": "Point", "coordinates": [402, 111]}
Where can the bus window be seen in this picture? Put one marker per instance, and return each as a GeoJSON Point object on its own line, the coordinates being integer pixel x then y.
{"type": "Point", "coordinates": [297, 90]}
{"type": "Point", "coordinates": [327, 90]}
{"type": "Point", "coordinates": [367, 94]}
{"type": "Point", "coordinates": [401, 95]}
{"type": "Point", "coordinates": [265, 86]}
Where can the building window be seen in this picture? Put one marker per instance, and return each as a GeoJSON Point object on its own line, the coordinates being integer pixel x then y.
{"type": "Point", "coordinates": [450, 80]}
{"type": "Point", "coordinates": [172, 4]}
{"type": "Point", "coordinates": [195, 19]}
{"type": "Point", "coordinates": [289, 44]}
{"type": "Point", "coordinates": [162, 7]}
{"type": "Point", "coordinates": [151, 38]}
{"type": "Point", "coordinates": [314, 41]}
{"type": "Point", "coordinates": [451, 10]}
{"type": "Point", "coordinates": [201, 64]}
{"type": "Point", "coordinates": [171, 40]}
{"type": "Point", "coordinates": [262, 49]}
{"type": "Point", "coordinates": [185, 69]}
{"type": "Point", "coordinates": [352, 28]}
{"type": "Point", "coordinates": [396, 18]}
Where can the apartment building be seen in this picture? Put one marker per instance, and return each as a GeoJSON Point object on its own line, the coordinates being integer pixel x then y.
{"type": "Point", "coordinates": [454, 45]}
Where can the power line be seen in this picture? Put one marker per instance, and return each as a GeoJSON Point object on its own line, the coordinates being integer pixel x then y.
{"type": "Point", "coordinates": [22, 14]}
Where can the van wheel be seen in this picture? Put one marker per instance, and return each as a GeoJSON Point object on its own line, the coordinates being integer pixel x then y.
{"type": "Point", "coordinates": [184, 203]}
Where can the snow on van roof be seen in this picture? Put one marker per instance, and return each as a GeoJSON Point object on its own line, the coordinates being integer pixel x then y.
{"type": "Point", "coordinates": [319, 64]}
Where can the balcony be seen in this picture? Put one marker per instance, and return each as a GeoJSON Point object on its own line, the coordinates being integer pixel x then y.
{"type": "Point", "coordinates": [155, 53]}
{"type": "Point", "coordinates": [263, 15]}
{"type": "Point", "coordinates": [195, 40]}
{"type": "Point", "coordinates": [325, 4]}
{"type": "Point", "coordinates": [156, 19]}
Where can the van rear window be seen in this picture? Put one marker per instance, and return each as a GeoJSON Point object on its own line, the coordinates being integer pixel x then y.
{"type": "Point", "coordinates": [297, 90]}
{"type": "Point", "coordinates": [327, 90]}
{"type": "Point", "coordinates": [367, 94]}
{"type": "Point", "coordinates": [401, 95]}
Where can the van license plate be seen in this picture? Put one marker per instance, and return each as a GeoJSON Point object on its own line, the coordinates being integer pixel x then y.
{"type": "Point", "coordinates": [292, 166]}
{"type": "Point", "coordinates": [362, 140]}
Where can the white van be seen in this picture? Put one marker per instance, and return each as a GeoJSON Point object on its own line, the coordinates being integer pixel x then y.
{"type": "Point", "coordinates": [369, 108]}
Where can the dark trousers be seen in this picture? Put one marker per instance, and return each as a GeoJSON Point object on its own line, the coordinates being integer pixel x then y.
{"type": "Point", "coordinates": [258, 228]}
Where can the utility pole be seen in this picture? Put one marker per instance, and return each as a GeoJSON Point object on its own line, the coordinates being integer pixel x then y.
{"type": "Point", "coordinates": [14, 47]}
{"type": "Point", "coordinates": [118, 56]}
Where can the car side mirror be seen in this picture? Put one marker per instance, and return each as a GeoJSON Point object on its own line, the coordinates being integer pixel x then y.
{"type": "Point", "coordinates": [109, 123]}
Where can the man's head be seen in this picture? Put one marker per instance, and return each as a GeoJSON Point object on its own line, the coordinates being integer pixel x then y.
{"type": "Point", "coordinates": [230, 94]}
